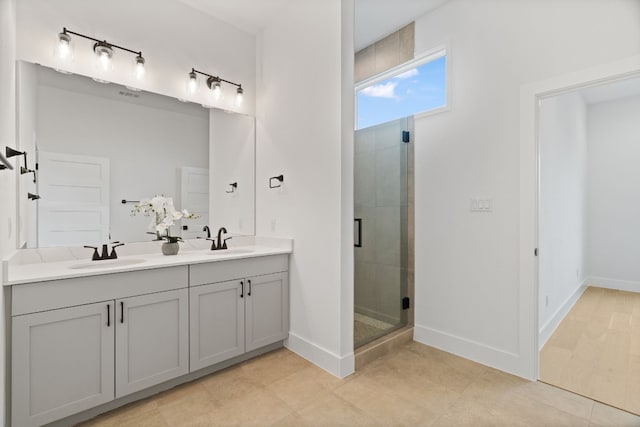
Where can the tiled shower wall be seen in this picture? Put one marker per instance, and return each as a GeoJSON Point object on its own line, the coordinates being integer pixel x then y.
{"type": "Point", "coordinates": [393, 50]}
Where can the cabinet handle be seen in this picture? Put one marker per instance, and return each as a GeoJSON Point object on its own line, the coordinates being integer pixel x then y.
{"type": "Point", "coordinates": [121, 311]}
{"type": "Point", "coordinates": [108, 315]}
{"type": "Point", "coordinates": [242, 289]}
{"type": "Point", "coordinates": [249, 293]}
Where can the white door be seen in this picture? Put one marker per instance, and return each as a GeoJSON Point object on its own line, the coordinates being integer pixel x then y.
{"type": "Point", "coordinates": [62, 363]}
{"type": "Point", "coordinates": [152, 341]}
{"type": "Point", "coordinates": [73, 208]}
{"type": "Point", "coordinates": [194, 197]}
{"type": "Point", "coordinates": [217, 322]}
{"type": "Point", "coordinates": [266, 310]}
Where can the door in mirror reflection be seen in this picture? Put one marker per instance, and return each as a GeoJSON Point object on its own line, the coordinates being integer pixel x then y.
{"type": "Point", "coordinates": [73, 208]}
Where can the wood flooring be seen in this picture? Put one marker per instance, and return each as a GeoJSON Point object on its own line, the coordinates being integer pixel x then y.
{"type": "Point", "coordinates": [595, 351]}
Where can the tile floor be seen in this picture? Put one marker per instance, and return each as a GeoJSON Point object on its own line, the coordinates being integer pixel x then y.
{"type": "Point", "coordinates": [414, 386]}
{"type": "Point", "coordinates": [595, 351]}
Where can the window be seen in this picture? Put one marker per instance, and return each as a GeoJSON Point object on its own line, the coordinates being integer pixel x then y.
{"type": "Point", "coordinates": [416, 87]}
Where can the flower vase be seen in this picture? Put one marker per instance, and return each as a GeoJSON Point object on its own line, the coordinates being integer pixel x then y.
{"type": "Point", "coordinates": [170, 248]}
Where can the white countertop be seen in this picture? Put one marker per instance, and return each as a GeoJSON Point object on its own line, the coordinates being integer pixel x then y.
{"type": "Point", "coordinates": [62, 263]}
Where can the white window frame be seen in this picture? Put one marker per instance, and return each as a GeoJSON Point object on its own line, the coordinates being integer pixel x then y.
{"type": "Point", "coordinates": [419, 60]}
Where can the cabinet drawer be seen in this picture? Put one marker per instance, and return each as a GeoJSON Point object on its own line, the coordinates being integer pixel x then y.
{"type": "Point", "coordinates": [202, 274]}
{"type": "Point", "coordinates": [42, 296]}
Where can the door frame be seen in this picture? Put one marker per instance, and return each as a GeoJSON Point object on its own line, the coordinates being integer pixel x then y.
{"type": "Point", "coordinates": [530, 96]}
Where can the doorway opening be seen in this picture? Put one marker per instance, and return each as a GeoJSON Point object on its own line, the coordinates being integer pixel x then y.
{"type": "Point", "coordinates": [588, 220]}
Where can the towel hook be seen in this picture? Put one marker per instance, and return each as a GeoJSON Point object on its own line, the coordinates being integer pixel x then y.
{"type": "Point", "coordinates": [234, 186]}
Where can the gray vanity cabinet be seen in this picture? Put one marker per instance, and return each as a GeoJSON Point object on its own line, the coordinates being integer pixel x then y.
{"type": "Point", "coordinates": [80, 342]}
{"type": "Point", "coordinates": [63, 362]}
{"type": "Point", "coordinates": [266, 310]}
{"type": "Point", "coordinates": [217, 323]}
{"type": "Point", "coordinates": [152, 340]}
{"type": "Point", "coordinates": [236, 307]}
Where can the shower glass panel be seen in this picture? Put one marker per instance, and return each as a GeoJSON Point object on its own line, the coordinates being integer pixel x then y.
{"type": "Point", "coordinates": [381, 240]}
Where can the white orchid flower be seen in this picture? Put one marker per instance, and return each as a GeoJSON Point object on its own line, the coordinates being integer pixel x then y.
{"type": "Point", "coordinates": [162, 212]}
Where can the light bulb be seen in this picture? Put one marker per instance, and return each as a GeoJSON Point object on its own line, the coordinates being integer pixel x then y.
{"type": "Point", "coordinates": [104, 53]}
{"type": "Point", "coordinates": [64, 48]}
{"type": "Point", "coordinates": [239, 95]}
{"type": "Point", "coordinates": [139, 67]}
{"type": "Point", "coordinates": [192, 83]}
{"type": "Point", "coordinates": [214, 84]}
{"type": "Point", "coordinates": [105, 60]}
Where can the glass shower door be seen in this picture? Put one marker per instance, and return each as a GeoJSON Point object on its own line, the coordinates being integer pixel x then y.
{"type": "Point", "coordinates": [381, 240]}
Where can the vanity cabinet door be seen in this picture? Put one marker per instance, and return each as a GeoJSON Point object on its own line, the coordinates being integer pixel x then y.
{"type": "Point", "coordinates": [266, 310]}
{"type": "Point", "coordinates": [152, 341]}
{"type": "Point", "coordinates": [217, 322]}
{"type": "Point", "coordinates": [62, 362]}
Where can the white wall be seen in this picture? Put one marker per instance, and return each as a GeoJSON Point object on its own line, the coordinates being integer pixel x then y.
{"type": "Point", "coordinates": [147, 140]}
{"type": "Point", "coordinates": [172, 37]}
{"type": "Point", "coordinates": [613, 193]}
{"type": "Point", "coordinates": [467, 265]}
{"type": "Point", "coordinates": [7, 177]}
{"type": "Point", "coordinates": [562, 141]}
{"type": "Point", "coordinates": [232, 159]}
{"type": "Point", "coordinates": [300, 116]}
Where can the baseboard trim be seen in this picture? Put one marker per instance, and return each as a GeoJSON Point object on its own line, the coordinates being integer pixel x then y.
{"type": "Point", "coordinates": [617, 284]}
{"type": "Point", "coordinates": [552, 324]}
{"type": "Point", "coordinates": [340, 367]}
{"type": "Point", "coordinates": [478, 352]}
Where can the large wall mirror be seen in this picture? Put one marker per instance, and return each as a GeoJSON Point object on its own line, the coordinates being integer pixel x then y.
{"type": "Point", "coordinates": [97, 148]}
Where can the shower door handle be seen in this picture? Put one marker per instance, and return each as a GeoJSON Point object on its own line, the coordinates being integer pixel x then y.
{"type": "Point", "coordinates": [358, 242]}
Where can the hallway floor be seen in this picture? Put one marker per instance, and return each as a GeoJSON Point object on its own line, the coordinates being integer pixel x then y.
{"type": "Point", "coordinates": [415, 386]}
{"type": "Point", "coordinates": [595, 351]}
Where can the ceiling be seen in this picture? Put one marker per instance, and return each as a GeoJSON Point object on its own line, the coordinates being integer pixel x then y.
{"type": "Point", "coordinates": [374, 19]}
{"type": "Point", "coordinates": [250, 16]}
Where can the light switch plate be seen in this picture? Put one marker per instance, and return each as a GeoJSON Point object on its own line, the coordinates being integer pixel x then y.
{"type": "Point", "coordinates": [481, 205]}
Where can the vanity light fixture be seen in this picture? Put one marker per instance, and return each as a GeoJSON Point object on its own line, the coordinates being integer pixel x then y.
{"type": "Point", "coordinates": [214, 83]}
{"type": "Point", "coordinates": [239, 95]}
{"type": "Point", "coordinates": [64, 47]}
{"type": "Point", "coordinates": [102, 48]}
{"type": "Point", "coordinates": [4, 163]}
{"type": "Point", "coordinates": [192, 83]}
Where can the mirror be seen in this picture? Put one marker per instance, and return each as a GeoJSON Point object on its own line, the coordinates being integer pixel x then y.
{"type": "Point", "coordinates": [98, 148]}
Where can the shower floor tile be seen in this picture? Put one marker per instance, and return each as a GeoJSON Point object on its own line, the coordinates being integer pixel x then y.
{"type": "Point", "coordinates": [366, 329]}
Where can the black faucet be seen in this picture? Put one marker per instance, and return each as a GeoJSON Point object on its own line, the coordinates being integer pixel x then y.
{"type": "Point", "coordinates": [208, 230]}
{"type": "Point", "coordinates": [222, 244]}
{"type": "Point", "coordinates": [105, 252]}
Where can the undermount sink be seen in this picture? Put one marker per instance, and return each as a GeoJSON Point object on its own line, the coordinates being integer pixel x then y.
{"type": "Point", "coordinates": [231, 251]}
{"type": "Point", "coordinates": [106, 263]}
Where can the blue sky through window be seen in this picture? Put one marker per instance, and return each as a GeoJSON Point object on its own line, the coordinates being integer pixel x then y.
{"type": "Point", "coordinates": [414, 91]}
